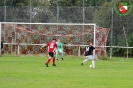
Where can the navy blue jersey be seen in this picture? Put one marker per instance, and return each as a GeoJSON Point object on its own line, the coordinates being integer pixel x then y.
{"type": "Point", "coordinates": [89, 50]}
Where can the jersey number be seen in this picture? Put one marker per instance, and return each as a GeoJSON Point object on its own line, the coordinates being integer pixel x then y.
{"type": "Point", "coordinates": [52, 45]}
{"type": "Point", "coordinates": [87, 48]}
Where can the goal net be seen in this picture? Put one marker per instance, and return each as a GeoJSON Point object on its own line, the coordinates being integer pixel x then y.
{"type": "Point", "coordinates": [27, 38]}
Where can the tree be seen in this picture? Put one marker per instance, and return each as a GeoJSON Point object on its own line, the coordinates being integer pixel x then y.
{"type": "Point", "coordinates": [103, 18]}
{"type": "Point", "coordinates": [130, 43]}
{"type": "Point", "coordinates": [65, 3]}
{"type": "Point", "coordinates": [79, 3]}
{"type": "Point", "coordinates": [6, 2]}
{"type": "Point", "coordinates": [19, 10]}
{"type": "Point", "coordinates": [28, 2]}
{"type": "Point", "coordinates": [102, 15]}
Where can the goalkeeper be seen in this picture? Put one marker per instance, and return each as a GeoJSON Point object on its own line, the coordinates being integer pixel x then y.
{"type": "Point", "coordinates": [59, 49]}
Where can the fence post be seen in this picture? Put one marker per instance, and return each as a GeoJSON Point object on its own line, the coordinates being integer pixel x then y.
{"type": "Point", "coordinates": [79, 52]}
{"type": "Point", "coordinates": [18, 49]}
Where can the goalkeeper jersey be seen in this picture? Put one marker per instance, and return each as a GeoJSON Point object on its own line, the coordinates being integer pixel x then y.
{"type": "Point", "coordinates": [59, 45]}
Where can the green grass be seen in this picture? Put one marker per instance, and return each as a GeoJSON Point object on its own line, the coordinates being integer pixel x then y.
{"type": "Point", "coordinates": [30, 72]}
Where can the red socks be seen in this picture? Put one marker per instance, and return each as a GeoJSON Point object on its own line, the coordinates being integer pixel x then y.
{"type": "Point", "coordinates": [54, 60]}
{"type": "Point", "coordinates": [48, 61]}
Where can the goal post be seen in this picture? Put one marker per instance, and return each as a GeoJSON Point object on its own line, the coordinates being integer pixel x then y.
{"type": "Point", "coordinates": [26, 38]}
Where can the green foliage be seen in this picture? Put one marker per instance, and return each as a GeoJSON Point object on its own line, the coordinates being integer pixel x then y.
{"type": "Point", "coordinates": [78, 3]}
{"type": "Point", "coordinates": [65, 3]}
{"type": "Point", "coordinates": [24, 3]}
{"type": "Point", "coordinates": [39, 2]}
{"type": "Point", "coordinates": [119, 52]}
{"type": "Point", "coordinates": [130, 43]}
{"type": "Point", "coordinates": [130, 40]}
{"type": "Point", "coordinates": [7, 3]}
{"type": "Point", "coordinates": [102, 16]}
{"type": "Point", "coordinates": [103, 58]}
{"type": "Point", "coordinates": [21, 2]}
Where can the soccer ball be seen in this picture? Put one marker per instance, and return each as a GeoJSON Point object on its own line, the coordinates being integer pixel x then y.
{"type": "Point", "coordinates": [90, 66]}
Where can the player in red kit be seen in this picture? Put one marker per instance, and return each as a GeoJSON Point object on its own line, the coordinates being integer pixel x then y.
{"type": "Point", "coordinates": [51, 49]}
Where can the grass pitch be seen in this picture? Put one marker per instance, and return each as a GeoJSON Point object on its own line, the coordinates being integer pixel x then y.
{"type": "Point", "coordinates": [30, 72]}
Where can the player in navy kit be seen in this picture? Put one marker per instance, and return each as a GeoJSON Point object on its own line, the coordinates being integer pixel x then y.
{"type": "Point", "coordinates": [88, 55]}
{"type": "Point", "coordinates": [51, 49]}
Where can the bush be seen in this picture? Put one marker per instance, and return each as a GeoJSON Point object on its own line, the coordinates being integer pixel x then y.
{"type": "Point", "coordinates": [103, 58]}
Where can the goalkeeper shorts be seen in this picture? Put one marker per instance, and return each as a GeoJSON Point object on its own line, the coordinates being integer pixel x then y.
{"type": "Point", "coordinates": [59, 50]}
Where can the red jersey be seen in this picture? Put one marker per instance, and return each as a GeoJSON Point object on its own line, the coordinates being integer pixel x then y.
{"type": "Point", "coordinates": [51, 46]}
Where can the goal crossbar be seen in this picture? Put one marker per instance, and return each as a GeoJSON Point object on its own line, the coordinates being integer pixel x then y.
{"type": "Point", "coordinates": [83, 24]}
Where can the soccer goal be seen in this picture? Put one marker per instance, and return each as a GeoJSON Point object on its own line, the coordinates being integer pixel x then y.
{"type": "Point", "coordinates": [26, 38]}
